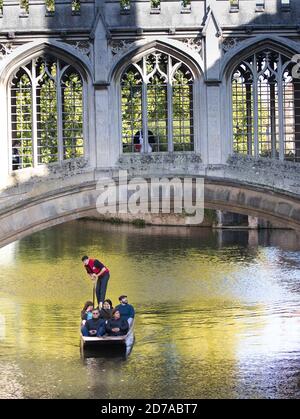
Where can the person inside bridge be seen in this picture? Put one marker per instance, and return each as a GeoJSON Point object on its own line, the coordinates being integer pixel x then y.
{"type": "Point", "coordinates": [95, 327]}
{"type": "Point", "coordinates": [117, 326]}
{"type": "Point", "coordinates": [126, 310]}
{"type": "Point", "coordinates": [138, 141]}
{"type": "Point", "coordinates": [100, 274]}
{"type": "Point", "coordinates": [16, 158]}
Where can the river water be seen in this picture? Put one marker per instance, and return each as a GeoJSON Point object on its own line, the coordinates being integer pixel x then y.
{"type": "Point", "coordinates": [218, 313]}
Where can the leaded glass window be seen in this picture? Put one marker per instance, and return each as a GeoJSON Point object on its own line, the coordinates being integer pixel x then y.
{"type": "Point", "coordinates": [157, 105]}
{"type": "Point", "coordinates": [266, 107]}
{"type": "Point", "coordinates": [46, 113]}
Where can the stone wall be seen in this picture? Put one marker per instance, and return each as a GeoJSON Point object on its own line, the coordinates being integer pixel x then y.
{"type": "Point", "coordinates": [101, 41]}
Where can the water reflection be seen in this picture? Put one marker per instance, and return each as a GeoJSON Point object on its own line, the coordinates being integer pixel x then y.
{"type": "Point", "coordinates": [218, 313]}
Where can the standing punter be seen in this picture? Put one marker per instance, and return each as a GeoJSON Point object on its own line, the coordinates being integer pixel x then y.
{"type": "Point", "coordinates": [98, 273]}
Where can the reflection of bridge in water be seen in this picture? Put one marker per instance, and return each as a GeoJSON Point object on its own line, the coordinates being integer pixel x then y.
{"type": "Point", "coordinates": [212, 83]}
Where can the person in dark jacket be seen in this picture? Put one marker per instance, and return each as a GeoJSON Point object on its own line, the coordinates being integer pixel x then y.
{"type": "Point", "coordinates": [16, 158]}
{"type": "Point", "coordinates": [107, 310]}
{"type": "Point", "coordinates": [117, 326]}
{"type": "Point", "coordinates": [94, 327]}
{"type": "Point", "coordinates": [126, 310]}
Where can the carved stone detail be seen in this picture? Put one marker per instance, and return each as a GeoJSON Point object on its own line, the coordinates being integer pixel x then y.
{"type": "Point", "coordinates": [193, 43]}
{"type": "Point", "coordinates": [230, 43]}
{"type": "Point", "coordinates": [118, 47]}
{"type": "Point", "coordinates": [82, 46]}
{"type": "Point", "coordinates": [6, 49]}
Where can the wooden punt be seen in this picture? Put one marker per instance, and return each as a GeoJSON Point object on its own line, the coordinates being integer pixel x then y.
{"type": "Point", "coordinates": [108, 342]}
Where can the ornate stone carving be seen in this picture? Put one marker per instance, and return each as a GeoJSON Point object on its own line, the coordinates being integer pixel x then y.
{"type": "Point", "coordinates": [118, 47]}
{"type": "Point", "coordinates": [5, 49]}
{"type": "Point", "coordinates": [193, 43]}
{"type": "Point", "coordinates": [82, 46]}
{"type": "Point", "coordinates": [230, 43]}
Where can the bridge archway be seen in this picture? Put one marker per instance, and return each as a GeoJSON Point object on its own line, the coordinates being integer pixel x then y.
{"type": "Point", "coordinates": [74, 202]}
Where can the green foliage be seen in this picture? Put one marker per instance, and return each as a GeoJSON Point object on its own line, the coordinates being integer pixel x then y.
{"type": "Point", "coordinates": [76, 6]}
{"type": "Point", "coordinates": [1, 7]}
{"type": "Point", "coordinates": [139, 223]}
{"type": "Point", "coordinates": [186, 3]}
{"type": "Point", "coordinates": [157, 106]}
{"type": "Point", "coordinates": [47, 123]}
{"type": "Point", "coordinates": [46, 110]}
{"type": "Point", "coordinates": [131, 106]}
{"type": "Point", "coordinates": [114, 220]}
{"type": "Point", "coordinates": [25, 5]}
{"type": "Point", "coordinates": [182, 112]}
{"type": "Point", "coordinates": [243, 125]}
{"type": "Point", "coordinates": [23, 119]}
{"type": "Point", "coordinates": [72, 117]}
{"type": "Point", "coordinates": [47, 113]}
{"type": "Point", "coordinates": [125, 4]}
{"type": "Point", "coordinates": [210, 215]}
{"type": "Point", "coordinates": [234, 4]}
{"type": "Point", "coordinates": [155, 4]}
{"type": "Point", "coordinates": [50, 6]}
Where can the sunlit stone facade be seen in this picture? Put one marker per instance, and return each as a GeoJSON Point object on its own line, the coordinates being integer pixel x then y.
{"type": "Point", "coordinates": [202, 78]}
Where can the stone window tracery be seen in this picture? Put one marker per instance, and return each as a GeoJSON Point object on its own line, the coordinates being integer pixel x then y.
{"type": "Point", "coordinates": [46, 105]}
{"type": "Point", "coordinates": [157, 105]}
{"type": "Point", "coordinates": [266, 107]}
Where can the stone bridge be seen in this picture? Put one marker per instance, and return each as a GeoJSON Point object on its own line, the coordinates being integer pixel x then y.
{"type": "Point", "coordinates": [264, 188]}
{"type": "Point", "coordinates": [211, 41]}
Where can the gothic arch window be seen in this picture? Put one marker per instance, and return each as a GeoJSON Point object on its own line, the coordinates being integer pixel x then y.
{"type": "Point", "coordinates": [266, 107]}
{"type": "Point", "coordinates": [157, 105]}
{"type": "Point", "coordinates": [46, 103]}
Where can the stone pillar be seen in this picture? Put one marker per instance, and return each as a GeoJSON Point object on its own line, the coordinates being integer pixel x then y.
{"type": "Point", "coordinates": [219, 215]}
{"type": "Point", "coordinates": [253, 222]}
{"type": "Point", "coordinates": [214, 134]}
{"type": "Point", "coordinates": [102, 138]}
{"type": "Point", "coordinates": [100, 34]}
{"type": "Point", "coordinates": [4, 139]}
{"type": "Point", "coordinates": [213, 53]}
{"type": "Point", "coordinates": [229, 219]}
{"type": "Point", "coordinates": [297, 119]}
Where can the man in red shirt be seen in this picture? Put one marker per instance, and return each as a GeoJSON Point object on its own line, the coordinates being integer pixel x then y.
{"type": "Point", "coordinates": [99, 274]}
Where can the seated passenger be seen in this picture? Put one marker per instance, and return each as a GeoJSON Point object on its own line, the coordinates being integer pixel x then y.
{"type": "Point", "coordinates": [86, 313]}
{"type": "Point", "coordinates": [117, 326]}
{"type": "Point", "coordinates": [94, 327]}
{"type": "Point", "coordinates": [107, 310]}
{"type": "Point", "coordinates": [126, 310]}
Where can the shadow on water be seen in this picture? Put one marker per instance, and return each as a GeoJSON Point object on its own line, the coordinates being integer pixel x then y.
{"type": "Point", "coordinates": [105, 353]}
{"type": "Point", "coordinates": [121, 352]}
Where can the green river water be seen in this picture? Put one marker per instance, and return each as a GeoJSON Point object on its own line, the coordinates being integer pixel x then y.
{"type": "Point", "coordinates": [218, 313]}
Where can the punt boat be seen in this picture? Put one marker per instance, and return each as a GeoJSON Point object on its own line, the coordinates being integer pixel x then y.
{"type": "Point", "coordinates": [109, 342]}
